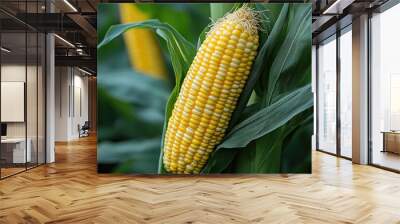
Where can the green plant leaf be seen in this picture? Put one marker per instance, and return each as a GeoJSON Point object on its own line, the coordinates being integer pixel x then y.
{"type": "Point", "coordinates": [297, 159]}
{"type": "Point", "coordinates": [259, 124]}
{"type": "Point", "coordinates": [131, 105]}
{"type": "Point", "coordinates": [264, 155]}
{"type": "Point", "coordinates": [270, 147]}
{"type": "Point", "coordinates": [114, 55]}
{"type": "Point", "coordinates": [298, 71]}
{"type": "Point", "coordinates": [177, 45]}
{"type": "Point", "coordinates": [180, 16]}
{"type": "Point", "coordinates": [272, 45]}
{"type": "Point", "coordinates": [134, 156]}
{"type": "Point", "coordinates": [285, 57]}
{"type": "Point", "coordinates": [268, 152]}
{"type": "Point", "coordinates": [133, 87]}
{"type": "Point", "coordinates": [253, 154]}
{"type": "Point", "coordinates": [269, 118]}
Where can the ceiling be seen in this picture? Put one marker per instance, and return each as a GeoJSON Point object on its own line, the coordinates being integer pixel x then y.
{"type": "Point", "coordinates": [331, 15]}
{"type": "Point", "coordinates": [75, 22]}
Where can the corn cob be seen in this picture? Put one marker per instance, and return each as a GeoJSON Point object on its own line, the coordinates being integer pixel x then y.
{"type": "Point", "coordinates": [210, 92]}
{"type": "Point", "coordinates": [143, 48]}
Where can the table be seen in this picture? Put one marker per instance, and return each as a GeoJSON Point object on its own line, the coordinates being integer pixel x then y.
{"type": "Point", "coordinates": [19, 155]}
{"type": "Point", "coordinates": [391, 141]}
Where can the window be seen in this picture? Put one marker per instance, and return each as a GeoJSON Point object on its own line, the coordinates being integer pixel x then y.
{"type": "Point", "coordinates": [385, 89]}
{"type": "Point", "coordinates": [327, 96]}
{"type": "Point", "coordinates": [346, 92]}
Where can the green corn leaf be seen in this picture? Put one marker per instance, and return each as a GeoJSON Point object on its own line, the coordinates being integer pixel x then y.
{"type": "Point", "coordinates": [251, 165]}
{"type": "Point", "coordinates": [298, 71]}
{"type": "Point", "coordinates": [294, 158]}
{"type": "Point", "coordinates": [269, 147]}
{"type": "Point", "coordinates": [127, 107]}
{"type": "Point", "coordinates": [180, 49]}
{"type": "Point", "coordinates": [301, 15]}
{"type": "Point", "coordinates": [133, 87]}
{"type": "Point", "coordinates": [134, 156]}
{"type": "Point", "coordinates": [259, 124]}
{"type": "Point", "coordinates": [272, 45]}
{"type": "Point", "coordinates": [270, 118]}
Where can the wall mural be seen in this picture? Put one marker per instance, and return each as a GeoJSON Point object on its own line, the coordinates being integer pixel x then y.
{"type": "Point", "coordinates": [204, 88]}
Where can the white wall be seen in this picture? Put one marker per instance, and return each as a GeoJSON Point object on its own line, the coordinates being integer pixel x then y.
{"type": "Point", "coordinates": [62, 81]}
{"type": "Point", "coordinates": [33, 126]}
{"type": "Point", "coordinates": [71, 93]}
{"type": "Point", "coordinates": [80, 102]}
{"type": "Point", "coordinates": [9, 73]}
{"type": "Point", "coordinates": [12, 73]}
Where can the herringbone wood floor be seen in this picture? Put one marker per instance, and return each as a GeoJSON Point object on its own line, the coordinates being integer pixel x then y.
{"type": "Point", "coordinates": [70, 191]}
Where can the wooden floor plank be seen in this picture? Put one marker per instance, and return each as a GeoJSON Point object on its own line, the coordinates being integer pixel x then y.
{"type": "Point", "coordinates": [70, 191]}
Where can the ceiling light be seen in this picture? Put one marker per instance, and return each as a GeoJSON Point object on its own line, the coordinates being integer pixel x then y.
{"type": "Point", "coordinates": [84, 71]}
{"type": "Point", "coordinates": [65, 41]}
{"type": "Point", "coordinates": [5, 50]}
{"type": "Point", "coordinates": [329, 9]}
{"type": "Point", "coordinates": [338, 6]}
{"type": "Point", "coordinates": [70, 5]}
{"type": "Point", "coordinates": [79, 51]}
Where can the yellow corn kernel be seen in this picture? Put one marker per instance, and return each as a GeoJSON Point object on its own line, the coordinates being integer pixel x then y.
{"type": "Point", "coordinates": [143, 48]}
{"type": "Point", "coordinates": [210, 92]}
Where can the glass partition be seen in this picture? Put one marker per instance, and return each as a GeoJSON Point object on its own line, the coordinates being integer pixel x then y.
{"type": "Point", "coordinates": [327, 95]}
{"type": "Point", "coordinates": [14, 153]}
{"type": "Point", "coordinates": [22, 78]}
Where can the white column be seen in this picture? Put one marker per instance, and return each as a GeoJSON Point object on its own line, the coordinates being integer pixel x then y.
{"type": "Point", "coordinates": [50, 94]}
{"type": "Point", "coordinates": [360, 90]}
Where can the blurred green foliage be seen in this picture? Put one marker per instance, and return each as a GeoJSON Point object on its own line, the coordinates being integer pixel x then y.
{"type": "Point", "coordinates": [113, 55]}
{"type": "Point", "coordinates": [188, 19]}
